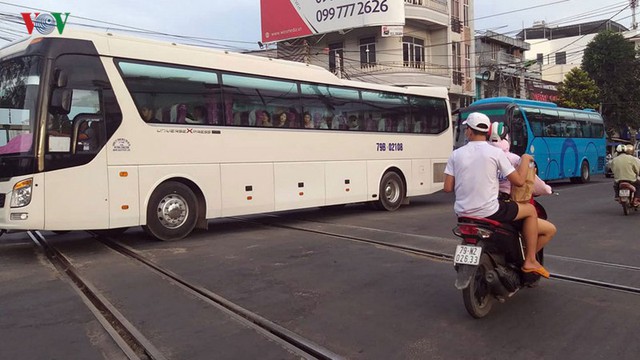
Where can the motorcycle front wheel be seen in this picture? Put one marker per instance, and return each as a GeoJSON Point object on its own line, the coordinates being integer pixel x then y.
{"type": "Point", "coordinates": [477, 296]}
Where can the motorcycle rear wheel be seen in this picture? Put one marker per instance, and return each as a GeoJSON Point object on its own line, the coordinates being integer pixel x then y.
{"type": "Point", "coordinates": [625, 207]}
{"type": "Point", "coordinates": [477, 297]}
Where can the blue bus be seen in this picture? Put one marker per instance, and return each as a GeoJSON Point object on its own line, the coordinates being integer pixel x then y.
{"type": "Point", "coordinates": [565, 143]}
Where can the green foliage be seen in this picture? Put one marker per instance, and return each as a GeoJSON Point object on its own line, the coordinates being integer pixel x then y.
{"type": "Point", "coordinates": [578, 91]}
{"type": "Point", "coordinates": [610, 60]}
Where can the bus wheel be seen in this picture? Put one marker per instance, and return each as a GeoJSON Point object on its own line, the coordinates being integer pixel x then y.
{"type": "Point", "coordinates": [391, 194]}
{"type": "Point", "coordinates": [585, 174]}
{"type": "Point", "coordinates": [172, 212]}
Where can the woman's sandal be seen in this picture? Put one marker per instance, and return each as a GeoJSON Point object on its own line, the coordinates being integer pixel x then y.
{"type": "Point", "coordinates": [540, 271]}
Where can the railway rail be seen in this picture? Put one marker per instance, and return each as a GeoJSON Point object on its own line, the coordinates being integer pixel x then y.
{"type": "Point", "coordinates": [132, 342]}
{"type": "Point", "coordinates": [444, 256]}
{"type": "Point", "coordinates": [135, 345]}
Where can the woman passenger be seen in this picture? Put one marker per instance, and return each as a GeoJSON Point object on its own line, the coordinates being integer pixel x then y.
{"type": "Point", "coordinates": [265, 119]}
{"type": "Point", "coordinates": [308, 122]}
{"type": "Point", "coordinates": [282, 120]}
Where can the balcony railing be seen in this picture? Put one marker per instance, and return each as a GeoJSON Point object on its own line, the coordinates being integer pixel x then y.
{"type": "Point", "coordinates": [499, 58]}
{"type": "Point", "coordinates": [438, 5]}
{"type": "Point", "coordinates": [400, 66]}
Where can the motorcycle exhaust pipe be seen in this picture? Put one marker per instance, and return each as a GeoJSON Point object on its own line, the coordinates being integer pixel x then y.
{"type": "Point", "coordinates": [496, 286]}
{"type": "Point", "coordinates": [509, 278]}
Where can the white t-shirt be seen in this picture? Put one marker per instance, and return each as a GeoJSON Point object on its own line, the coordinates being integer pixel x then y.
{"type": "Point", "coordinates": [475, 168]}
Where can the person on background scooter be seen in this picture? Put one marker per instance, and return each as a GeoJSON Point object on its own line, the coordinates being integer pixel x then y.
{"type": "Point", "coordinates": [625, 168]}
{"type": "Point", "coordinates": [499, 139]}
{"type": "Point", "coordinates": [472, 173]}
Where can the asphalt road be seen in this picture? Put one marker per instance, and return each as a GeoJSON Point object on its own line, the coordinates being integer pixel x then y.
{"type": "Point", "coordinates": [359, 300]}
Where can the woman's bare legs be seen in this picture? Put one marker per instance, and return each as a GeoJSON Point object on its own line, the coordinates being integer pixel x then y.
{"type": "Point", "coordinates": [546, 231]}
{"type": "Point", "coordinates": [527, 213]}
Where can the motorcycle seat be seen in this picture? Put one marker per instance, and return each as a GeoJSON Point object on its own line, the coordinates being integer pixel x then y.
{"type": "Point", "coordinates": [487, 222]}
{"type": "Point", "coordinates": [626, 185]}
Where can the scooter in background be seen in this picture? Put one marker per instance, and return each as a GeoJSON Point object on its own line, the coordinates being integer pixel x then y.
{"type": "Point", "coordinates": [626, 194]}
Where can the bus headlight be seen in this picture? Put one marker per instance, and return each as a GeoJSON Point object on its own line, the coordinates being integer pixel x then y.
{"type": "Point", "coordinates": [21, 195]}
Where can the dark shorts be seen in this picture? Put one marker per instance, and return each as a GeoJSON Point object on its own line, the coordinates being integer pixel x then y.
{"type": "Point", "coordinates": [507, 211]}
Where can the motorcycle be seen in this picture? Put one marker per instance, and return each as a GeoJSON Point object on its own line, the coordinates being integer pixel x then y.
{"type": "Point", "coordinates": [488, 262]}
{"type": "Point", "coordinates": [626, 194]}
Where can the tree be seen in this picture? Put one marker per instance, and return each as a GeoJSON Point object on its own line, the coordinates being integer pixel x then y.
{"type": "Point", "coordinates": [610, 60]}
{"type": "Point", "coordinates": [578, 91]}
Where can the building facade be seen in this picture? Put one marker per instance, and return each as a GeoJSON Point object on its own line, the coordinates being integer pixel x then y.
{"type": "Point", "coordinates": [560, 49]}
{"type": "Point", "coordinates": [502, 69]}
{"type": "Point", "coordinates": [434, 48]}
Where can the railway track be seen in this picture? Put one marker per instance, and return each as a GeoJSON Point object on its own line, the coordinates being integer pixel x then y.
{"type": "Point", "coordinates": [132, 342]}
{"type": "Point", "coordinates": [445, 256]}
{"type": "Point", "coordinates": [135, 345]}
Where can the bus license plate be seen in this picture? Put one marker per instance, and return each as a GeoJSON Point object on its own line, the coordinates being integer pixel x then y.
{"type": "Point", "coordinates": [623, 192]}
{"type": "Point", "coordinates": [468, 255]}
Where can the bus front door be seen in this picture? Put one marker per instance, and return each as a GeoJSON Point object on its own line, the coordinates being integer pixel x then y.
{"type": "Point", "coordinates": [518, 132]}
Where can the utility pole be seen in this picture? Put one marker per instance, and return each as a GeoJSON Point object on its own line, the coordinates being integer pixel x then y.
{"type": "Point", "coordinates": [523, 69]}
{"type": "Point", "coordinates": [523, 90]}
{"type": "Point", "coordinates": [307, 52]}
{"type": "Point", "coordinates": [634, 5]}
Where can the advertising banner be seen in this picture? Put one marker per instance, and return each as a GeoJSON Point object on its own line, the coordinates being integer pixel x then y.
{"type": "Point", "coordinates": [287, 19]}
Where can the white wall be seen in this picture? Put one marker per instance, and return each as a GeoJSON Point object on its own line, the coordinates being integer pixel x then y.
{"type": "Point", "coordinates": [572, 46]}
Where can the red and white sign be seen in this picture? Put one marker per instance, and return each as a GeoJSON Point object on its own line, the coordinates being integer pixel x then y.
{"type": "Point", "coordinates": [287, 19]}
{"type": "Point", "coordinates": [392, 30]}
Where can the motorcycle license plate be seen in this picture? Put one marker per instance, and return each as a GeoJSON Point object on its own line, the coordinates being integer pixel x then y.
{"type": "Point", "coordinates": [623, 192]}
{"type": "Point", "coordinates": [468, 255]}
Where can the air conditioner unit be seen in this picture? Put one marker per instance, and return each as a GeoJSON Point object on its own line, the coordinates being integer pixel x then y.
{"type": "Point", "coordinates": [489, 75]}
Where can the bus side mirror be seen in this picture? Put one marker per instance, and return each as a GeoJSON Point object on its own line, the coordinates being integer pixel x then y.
{"type": "Point", "coordinates": [61, 101]}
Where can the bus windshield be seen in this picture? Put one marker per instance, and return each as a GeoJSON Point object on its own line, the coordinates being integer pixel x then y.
{"type": "Point", "coordinates": [19, 83]}
{"type": "Point", "coordinates": [494, 112]}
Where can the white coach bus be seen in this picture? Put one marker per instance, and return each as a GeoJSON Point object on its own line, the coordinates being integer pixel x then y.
{"type": "Point", "coordinates": [101, 131]}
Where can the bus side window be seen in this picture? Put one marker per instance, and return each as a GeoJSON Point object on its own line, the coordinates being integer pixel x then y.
{"type": "Point", "coordinates": [89, 133]}
{"type": "Point", "coordinates": [536, 127]}
{"type": "Point", "coordinates": [371, 123]}
{"type": "Point", "coordinates": [93, 96]}
{"type": "Point", "coordinates": [417, 126]}
{"type": "Point", "coordinates": [586, 129]}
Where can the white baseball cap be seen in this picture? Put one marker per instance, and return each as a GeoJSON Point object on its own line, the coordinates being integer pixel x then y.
{"type": "Point", "coordinates": [478, 121]}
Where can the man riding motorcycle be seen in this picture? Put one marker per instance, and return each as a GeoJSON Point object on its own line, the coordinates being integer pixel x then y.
{"type": "Point", "coordinates": [472, 173]}
{"type": "Point", "coordinates": [626, 168]}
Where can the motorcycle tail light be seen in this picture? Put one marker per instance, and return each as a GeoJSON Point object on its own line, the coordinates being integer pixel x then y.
{"type": "Point", "coordinates": [470, 240]}
{"type": "Point", "coordinates": [472, 230]}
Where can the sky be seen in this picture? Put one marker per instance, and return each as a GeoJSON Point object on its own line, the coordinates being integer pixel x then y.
{"type": "Point", "coordinates": [235, 24]}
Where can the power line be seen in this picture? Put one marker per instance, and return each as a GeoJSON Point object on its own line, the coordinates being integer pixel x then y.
{"type": "Point", "coordinates": [582, 37]}
{"type": "Point", "coordinates": [588, 14]}
{"type": "Point", "coordinates": [17, 20]}
{"type": "Point", "coordinates": [133, 29]}
{"type": "Point", "coordinates": [515, 11]}
{"type": "Point", "coordinates": [206, 40]}
{"type": "Point", "coordinates": [574, 18]}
